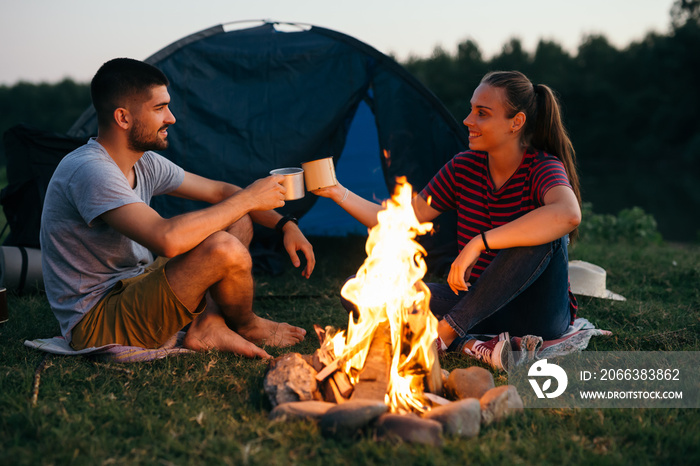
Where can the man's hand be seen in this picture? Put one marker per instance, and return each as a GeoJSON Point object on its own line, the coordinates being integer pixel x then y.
{"type": "Point", "coordinates": [266, 193]}
{"type": "Point", "coordinates": [294, 240]}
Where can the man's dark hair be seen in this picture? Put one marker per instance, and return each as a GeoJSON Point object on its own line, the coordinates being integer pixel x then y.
{"type": "Point", "coordinates": [120, 79]}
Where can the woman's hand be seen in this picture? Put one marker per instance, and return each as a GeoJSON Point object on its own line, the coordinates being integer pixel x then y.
{"type": "Point", "coordinates": [461, 268]}
{"type": "Point", "coordinates": [334, 193]}
{"type": "Point", "coordinates": [361, 209]}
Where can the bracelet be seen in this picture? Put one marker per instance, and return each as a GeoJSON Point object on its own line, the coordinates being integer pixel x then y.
{"type": "Point", "coordinates": [283, 221]}
{"type": "Point", "coordinates": [486, 245]}
{"type": "Point", "coordinates": [345, 196]}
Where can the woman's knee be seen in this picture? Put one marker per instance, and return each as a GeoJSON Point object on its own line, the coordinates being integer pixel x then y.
{"type": "Point", "coordinates": [442, 299]}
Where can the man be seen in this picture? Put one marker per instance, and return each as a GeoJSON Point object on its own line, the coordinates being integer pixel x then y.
{"type": "Point", "coordinates": [98, 232]}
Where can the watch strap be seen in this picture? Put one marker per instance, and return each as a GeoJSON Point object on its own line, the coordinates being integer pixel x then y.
{"type": "Point", "coordinates": [283, 221]}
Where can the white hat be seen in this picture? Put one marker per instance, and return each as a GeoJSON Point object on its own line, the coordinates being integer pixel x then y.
{"type": "Point", "coordinates": [589, 280]}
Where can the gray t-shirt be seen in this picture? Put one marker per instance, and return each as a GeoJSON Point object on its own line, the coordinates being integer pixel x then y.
{"type": "Point", "coordinates": [82, 257]}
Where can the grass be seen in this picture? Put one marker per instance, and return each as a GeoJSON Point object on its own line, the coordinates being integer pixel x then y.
{"type": "Point", "coordinates": [210, 408]}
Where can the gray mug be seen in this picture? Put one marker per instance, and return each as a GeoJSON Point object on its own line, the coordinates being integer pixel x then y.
{"type": "Point", "coordinates": [293, 181]}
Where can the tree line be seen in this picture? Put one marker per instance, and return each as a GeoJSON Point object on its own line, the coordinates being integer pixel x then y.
{"type": "Point", "coordinates": [632, 113]}
{"type": "Point", "coordinates": [51, 107]}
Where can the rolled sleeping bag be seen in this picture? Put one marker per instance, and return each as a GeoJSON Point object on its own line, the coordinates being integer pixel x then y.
{"type": "Point", "coordinates": [20, 269]}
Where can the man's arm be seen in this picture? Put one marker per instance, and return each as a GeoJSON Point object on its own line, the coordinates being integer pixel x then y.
{"type": "Point", "coordinates": [171, 237]}
{"type": "Point", "coordinates": [177, 235]}
{"type": "Point", "coordinates": [204, 189]}
{"type": "Point", "coordinates": [199, 188]}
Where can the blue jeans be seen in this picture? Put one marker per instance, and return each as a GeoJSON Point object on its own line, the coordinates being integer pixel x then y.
{"type": "Point", "coordinates": [523, 291]}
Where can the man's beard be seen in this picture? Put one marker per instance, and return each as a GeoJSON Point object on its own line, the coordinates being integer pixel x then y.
{"type": "Point", "coordinates": [141, 140]}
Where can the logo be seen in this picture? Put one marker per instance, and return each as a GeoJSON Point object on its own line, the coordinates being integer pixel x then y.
{"type": "Point", "coordinates": [543, 369]}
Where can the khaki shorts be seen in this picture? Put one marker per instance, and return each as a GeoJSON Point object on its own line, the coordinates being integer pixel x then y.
{"type": "Point", "coordinates": [140, 311]}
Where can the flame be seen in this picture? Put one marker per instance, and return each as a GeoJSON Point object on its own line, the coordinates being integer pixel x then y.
{"type": "Point", "coordinates": [388, 288]}
{"type": "Point", "coordinates": [387, 157]}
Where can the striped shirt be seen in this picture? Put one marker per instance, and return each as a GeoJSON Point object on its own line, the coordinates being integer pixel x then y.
{"type": "Point", "coordinates": [464, 184]}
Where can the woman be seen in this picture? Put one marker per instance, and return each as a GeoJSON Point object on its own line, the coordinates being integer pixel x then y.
{"type": "Point", "coordinates": [517, 196]}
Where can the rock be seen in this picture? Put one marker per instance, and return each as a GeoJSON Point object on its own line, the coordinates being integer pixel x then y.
{"type": "Point", "coordinates": [289, 379]}
{"type": "Point", "coordinates": [346, 418]}
{"type": "Point", "coordinates": [471, 382]}
{"type": "Point", "coordinates": [300, 410]}
{"type": "Point", "coordinates": [445, 374]}
{"type": "Point", "coordinates": [460, 418]}
{"type": "Point", "coordinates": [410, 428]}
{"type": "Point", "coordinates": [499, 403]}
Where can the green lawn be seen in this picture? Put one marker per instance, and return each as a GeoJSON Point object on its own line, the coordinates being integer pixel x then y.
{"type": "Point", "coordinates": [211, 409]}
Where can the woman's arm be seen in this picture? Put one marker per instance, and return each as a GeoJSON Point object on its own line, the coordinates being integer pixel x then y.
{"type": "Point", "coordinates": [361, 209]}
{"type": "Point", "coordinates": [365, 211]}
{"type": "Point", "coordinates": [559, 215]}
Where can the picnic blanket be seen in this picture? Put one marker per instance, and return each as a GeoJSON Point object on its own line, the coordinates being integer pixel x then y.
{"type": "Point", "coordinates": [114, 352]}
{"type": "Point", "coordinates": [531, 347]}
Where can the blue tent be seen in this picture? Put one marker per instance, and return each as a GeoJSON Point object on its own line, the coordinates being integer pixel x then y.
{"type": "Point", "coordinates": [251, 99]}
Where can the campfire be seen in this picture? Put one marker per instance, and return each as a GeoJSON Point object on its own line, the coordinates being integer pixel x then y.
{"type": "Point", "coordinates": [393, 319]}
{"type": "Point", "coordinates": [386, 359]}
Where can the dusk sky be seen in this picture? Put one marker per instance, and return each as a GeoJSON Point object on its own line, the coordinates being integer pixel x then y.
{"type": "Point", "coordinates": [48, 40]}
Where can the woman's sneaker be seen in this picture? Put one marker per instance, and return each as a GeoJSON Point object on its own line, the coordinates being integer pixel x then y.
{"type": "Point", "coordinates": [495, 352]}
{"type": "Point", "coordinates": [440, 345]}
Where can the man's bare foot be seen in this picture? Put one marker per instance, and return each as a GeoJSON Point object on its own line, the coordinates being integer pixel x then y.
{"type": "Point", "coordinates": [279, 334]}
{"type": "Point", "coordinates": [209, 331]}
